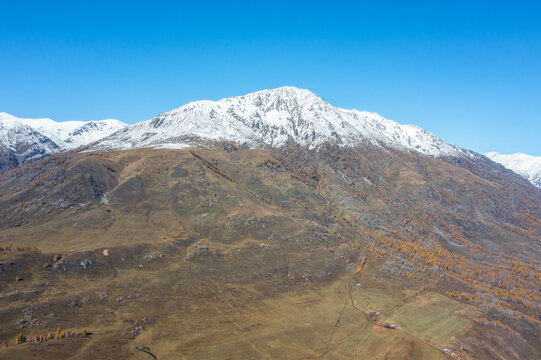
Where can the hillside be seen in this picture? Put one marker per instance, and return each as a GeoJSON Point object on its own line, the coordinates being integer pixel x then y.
{"type": "Point", "coordinates": [231, 251]}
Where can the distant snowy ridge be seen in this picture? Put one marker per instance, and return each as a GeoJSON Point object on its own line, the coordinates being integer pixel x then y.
{"type": "Point", "coordinates": [66, 134]}
{"type": "Point", "coordinates": [276, 117]}
{"type": "Point", "coordinates": [23, 140]}
{"type": "Point", "coordinates": [527, 166]}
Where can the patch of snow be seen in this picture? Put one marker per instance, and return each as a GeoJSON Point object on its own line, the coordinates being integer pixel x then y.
{"type": "Point", "coordinates": [172, 146]}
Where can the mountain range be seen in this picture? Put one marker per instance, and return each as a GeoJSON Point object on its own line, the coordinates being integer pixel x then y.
{"type": "Point", "coordinates": [271, 225]}
{"type": "Point", "coordinates": [23, 140]}
{"type": "Point", "coordinates": [275, 117]}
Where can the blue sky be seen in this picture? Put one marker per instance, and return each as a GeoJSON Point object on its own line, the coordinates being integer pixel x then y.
{"type": "Point", "coordinates": [468, 71]}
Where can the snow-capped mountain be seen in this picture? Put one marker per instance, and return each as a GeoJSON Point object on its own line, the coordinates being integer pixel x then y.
{"type": "Point", "coordinates": [527, 166]}
{"type": "Point", "coordinates": [23, 140]}
{"type": "Point", "coordinates": [276, 117]}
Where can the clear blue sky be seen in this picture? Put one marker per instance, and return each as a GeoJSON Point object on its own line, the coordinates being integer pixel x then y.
{"type": "Point", "coordinates": [468, 71]}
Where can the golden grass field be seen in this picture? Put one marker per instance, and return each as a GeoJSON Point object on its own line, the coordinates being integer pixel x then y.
{"type": "Point", "coordinates": [224, 258]}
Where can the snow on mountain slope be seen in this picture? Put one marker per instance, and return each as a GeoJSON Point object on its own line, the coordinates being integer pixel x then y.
{"type": "Point", "coordinates": [276, 117]}
{"type": "Point", "coordinates": [66, 134]}
{"type": "Point", "coordinates": [24, 140]}
{"type": "Point", "coordinates": [526, 166]}
{"type": "Point", "coordinates": [92, 131]}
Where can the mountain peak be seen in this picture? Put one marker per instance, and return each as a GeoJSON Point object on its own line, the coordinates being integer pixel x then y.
{"type": "Point", "coordinates": [527, 166]}
{"type": "Point", "coordinates": [277, 117]}
{"type": "Point", "coordinates": [282, 94]}
{"type": "Point", "coordinates": [22, 140]}
{"type": "Point", "coordinates": [269, 99]}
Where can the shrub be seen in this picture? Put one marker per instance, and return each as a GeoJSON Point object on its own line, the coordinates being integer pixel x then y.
{"type": "Point", "coordinates": [20, 338]}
